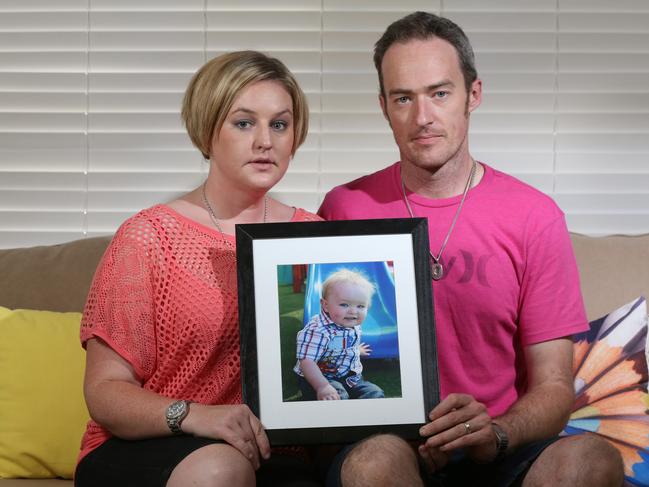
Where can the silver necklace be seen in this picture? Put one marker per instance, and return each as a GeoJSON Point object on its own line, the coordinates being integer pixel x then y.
{"type": "Point", "coordinates": [215, 220]}
{"type": "Point", "coordinates": [436, 268]}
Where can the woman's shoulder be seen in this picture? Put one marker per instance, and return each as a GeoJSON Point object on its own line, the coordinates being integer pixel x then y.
{"type": "Point", "coordinates": [285, 213]}
{"type": "Point", "coordinates": [145, 220]}
{"type": "Point", "coordinates": [149, 226]}
{"type": "Point", "coordinates": [302, 215]}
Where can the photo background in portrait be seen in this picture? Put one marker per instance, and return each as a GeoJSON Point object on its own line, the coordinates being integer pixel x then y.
{"type": "Point", "coordinates": [299, 290]}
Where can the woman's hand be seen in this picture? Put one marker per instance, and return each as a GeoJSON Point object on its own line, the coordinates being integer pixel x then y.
{"type": "Point", "coordinates": [234, 424]}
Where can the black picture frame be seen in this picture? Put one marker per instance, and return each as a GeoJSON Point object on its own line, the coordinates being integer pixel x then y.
{"type": "Point", "coordinates": [262, 250]}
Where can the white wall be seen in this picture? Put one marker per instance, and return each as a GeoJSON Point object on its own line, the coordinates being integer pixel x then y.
{"type": "Point", "coordinates": [90, 92]}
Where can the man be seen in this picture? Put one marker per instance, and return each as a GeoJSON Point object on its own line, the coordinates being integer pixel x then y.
{"type": "Point", "coordinates": [505, 284]}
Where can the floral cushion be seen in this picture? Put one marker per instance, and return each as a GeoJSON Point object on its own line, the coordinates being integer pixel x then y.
{"type": "Point", "coordinates": [610, 369]}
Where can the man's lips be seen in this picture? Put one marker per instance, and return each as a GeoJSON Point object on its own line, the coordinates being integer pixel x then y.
{"type": "Point", "coordinates": [426, 138]}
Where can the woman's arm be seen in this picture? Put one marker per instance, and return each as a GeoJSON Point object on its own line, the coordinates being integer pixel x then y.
{"type": "Point", "coordinates": [117, 401]}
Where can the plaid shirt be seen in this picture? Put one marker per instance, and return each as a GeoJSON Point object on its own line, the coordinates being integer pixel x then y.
{"type": "Point", "coordinates": [334, 348]}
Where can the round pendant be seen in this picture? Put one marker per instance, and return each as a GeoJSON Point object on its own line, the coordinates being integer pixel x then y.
{"type": "Point", "coordinates": [437, 271]}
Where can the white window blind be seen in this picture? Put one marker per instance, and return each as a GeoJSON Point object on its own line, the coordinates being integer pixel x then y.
{"type": "Point", "coordinates": [90, 92]}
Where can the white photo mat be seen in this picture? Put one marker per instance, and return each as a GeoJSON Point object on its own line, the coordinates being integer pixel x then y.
{"type": "Point", "coordinates": [274, 413]}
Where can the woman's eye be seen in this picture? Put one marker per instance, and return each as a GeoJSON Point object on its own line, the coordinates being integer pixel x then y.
{"type": "Point", "coordinates": [279, 125]}
{"type": "Point", "coordinates": [243, 124]}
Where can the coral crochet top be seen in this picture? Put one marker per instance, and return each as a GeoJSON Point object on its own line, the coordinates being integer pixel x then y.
{"type": "Point", "coordinates": [164, 297]}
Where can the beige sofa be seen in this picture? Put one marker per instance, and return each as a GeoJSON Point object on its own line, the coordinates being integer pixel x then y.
{"type": "Point", "coordinates": [614, 270]}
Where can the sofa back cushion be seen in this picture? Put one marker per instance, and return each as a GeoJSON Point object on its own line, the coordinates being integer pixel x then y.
{"type": "Point", "coordinates": [51, 277]}
{"type": "Point", "coordinates": [613, 270]}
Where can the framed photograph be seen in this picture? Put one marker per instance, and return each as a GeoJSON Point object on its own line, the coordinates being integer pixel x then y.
{"type": "Point", "coordinates": [337, 328]}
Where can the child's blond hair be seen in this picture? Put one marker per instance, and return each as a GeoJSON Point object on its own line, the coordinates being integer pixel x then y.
{"type": "Point", "coordinates": [351, 276]}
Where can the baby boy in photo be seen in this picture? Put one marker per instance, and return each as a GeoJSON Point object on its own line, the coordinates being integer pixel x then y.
{"type": "Point", "coordinates": [329, 348]}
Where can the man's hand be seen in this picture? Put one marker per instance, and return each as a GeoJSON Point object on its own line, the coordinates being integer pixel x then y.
{"type": "Point", "coordinates": [234, 424]}
{"type": "Point", "coordinates": [459, 421]}
{"type": "Point", "coordinates": [327, 393]}
{"type": "Point", "coordinates": [434, 459]}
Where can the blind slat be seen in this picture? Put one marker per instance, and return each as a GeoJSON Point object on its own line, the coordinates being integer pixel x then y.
{"type": "Point", "coordinates": [90, 94]}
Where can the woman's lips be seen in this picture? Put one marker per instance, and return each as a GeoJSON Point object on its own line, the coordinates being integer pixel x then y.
{"type": "Point", "coordinates": [262, 163]}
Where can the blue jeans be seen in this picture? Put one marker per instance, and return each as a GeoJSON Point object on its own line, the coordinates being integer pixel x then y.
{"type": "Point", "coordinates": [361, 390]}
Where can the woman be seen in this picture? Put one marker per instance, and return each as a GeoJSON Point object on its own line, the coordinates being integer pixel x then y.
{"type": "Point", "coordinates": [160, 326]}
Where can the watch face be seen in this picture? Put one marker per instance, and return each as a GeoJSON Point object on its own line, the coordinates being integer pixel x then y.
{"type": "Point", "coordinates": [176, 409]}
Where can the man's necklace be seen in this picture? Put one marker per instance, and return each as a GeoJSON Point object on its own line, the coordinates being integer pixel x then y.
{"type": "Point", "coordinates": [436, 268]}
{"type": "Point", "coordinates": [215, 220]}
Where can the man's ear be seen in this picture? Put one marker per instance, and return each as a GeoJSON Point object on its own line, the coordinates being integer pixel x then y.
{"type": "Point", "coordinates": [384, 107]}
{"type": "Point", "coordinates": [475, 95]}
{"type": "Point", "coordinates": [323, 305]}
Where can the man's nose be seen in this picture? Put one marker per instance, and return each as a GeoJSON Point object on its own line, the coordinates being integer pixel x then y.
{"type": "Point", "coordinates": [423, 111]}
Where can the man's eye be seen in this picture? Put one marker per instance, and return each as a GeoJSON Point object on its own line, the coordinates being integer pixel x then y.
{"type": "Point", "coordinates": [441, 94]}
{"type": "Point", "coordinates": [403, 99]}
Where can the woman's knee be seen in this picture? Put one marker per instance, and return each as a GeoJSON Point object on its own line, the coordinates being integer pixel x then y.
{"type": "Point", "coordinates": [211, 466]}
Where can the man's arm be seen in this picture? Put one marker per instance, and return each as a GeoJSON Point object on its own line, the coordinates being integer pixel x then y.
{"type": "Point", "coordinates": [540, 413]}
{"type": "Point", "coordinates": [544, 410]}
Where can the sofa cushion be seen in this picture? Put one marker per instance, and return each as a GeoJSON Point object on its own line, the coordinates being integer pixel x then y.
{"type": "Point", "coordinates": [41, 393]}
{"type": "Point", "coordinates": [51, 277]}
{"type": "Point", "coordinates": [610, 369]}
{"type": "Point", "coordinates": [36, 483]}
{"type": "Point", "coordinates": [613, 270]}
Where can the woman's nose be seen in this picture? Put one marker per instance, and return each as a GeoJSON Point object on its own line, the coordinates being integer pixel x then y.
{"type": "Point", "coordinates": [263, 140]}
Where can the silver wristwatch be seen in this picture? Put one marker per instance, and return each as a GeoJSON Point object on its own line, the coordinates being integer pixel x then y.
{"type": "Point", "coordinates": [175, 413]}
{"type": "Point", "coordinates": [502, 441]}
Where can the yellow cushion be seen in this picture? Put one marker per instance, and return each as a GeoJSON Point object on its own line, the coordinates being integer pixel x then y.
{"type": "Point", "coordinates": [42, 411]}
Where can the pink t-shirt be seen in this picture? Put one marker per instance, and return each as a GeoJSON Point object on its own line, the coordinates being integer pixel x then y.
{"type": "Point", "coordinates": [164, 297]}
{"type": "Point", "coordinates": [510, 276]}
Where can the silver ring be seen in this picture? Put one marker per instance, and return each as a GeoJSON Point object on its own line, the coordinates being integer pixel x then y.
{"type": "Point", "coordinates": [467, 428]}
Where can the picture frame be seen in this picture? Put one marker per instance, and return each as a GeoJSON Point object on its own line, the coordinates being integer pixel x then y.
{"type": "Point", "coordinates": [282, 269]}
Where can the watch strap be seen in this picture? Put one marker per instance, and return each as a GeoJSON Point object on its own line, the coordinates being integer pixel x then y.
{"type": "Point", "coordinates": [502, 442]}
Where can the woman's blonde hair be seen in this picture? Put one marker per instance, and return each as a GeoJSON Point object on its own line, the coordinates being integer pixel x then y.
{"type": "Point", "coordinates": [215, 86]}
